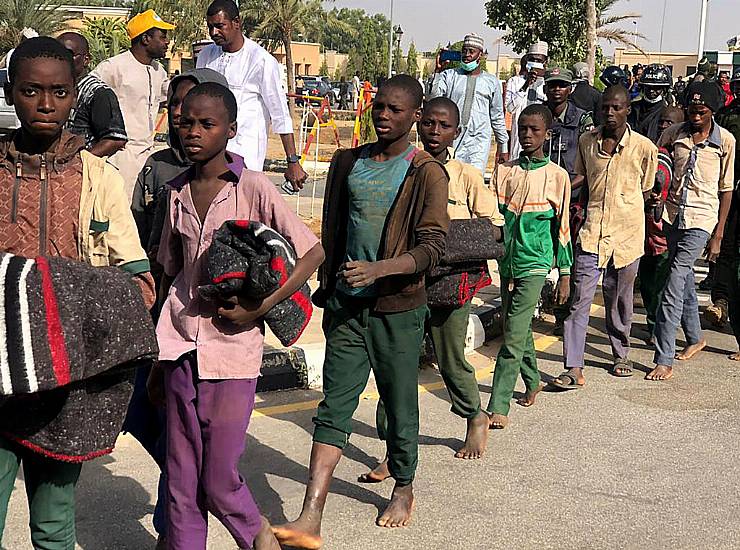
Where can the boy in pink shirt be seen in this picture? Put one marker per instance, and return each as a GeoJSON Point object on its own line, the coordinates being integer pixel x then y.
{"type": "Point", "coordinates": [210, 354]}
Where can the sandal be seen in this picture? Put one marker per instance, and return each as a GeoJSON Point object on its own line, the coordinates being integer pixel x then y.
{"type": "Point", "coordinates": [567, 381]}
{"type": "Point", "coordinates": [622, 368]}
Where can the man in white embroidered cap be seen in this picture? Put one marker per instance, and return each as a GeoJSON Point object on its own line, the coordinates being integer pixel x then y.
{"type": "Point", "coordinates": [479, 98]}
{"type": "Point", "coordinates": [526, 88]}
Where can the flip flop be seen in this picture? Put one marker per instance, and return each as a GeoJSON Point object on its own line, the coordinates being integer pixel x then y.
{"type": "Point", "coordinates": [623, 365]}
{"type": "Point", "coordinates": [571, 384]}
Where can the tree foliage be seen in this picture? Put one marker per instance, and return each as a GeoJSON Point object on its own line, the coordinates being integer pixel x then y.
{"type": "Point", "coordinates": [43, 16]}
{"type": "Point", "coordinates": [107, 37]}
{"type": "Point", "coordinates": [412, 61]}
{"type": "Point", "coordinates": [560, 23]}
{"type": "Point", "coordinates": [189, 17]}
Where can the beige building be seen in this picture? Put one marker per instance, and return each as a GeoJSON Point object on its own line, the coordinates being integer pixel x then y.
{"type": "Point", "coordinates": [334, 60]}
{"type": "Point", "coordinates": [683, 64]}
{"type": "Point", "coordinates": [306, 57]}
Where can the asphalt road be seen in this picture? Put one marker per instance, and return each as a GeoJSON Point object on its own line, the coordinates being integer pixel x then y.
{"type": "Point", "coordinates": [622, 463]}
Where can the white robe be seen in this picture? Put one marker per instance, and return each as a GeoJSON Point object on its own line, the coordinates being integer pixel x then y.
{"type": "Point", "coordinates": [255, 78]}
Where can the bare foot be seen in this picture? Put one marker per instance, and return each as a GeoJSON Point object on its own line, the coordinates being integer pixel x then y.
{"type": "Point", "coordinates": [265, 539]}
{"type": "Point", "coordinates": [298, 534]}
{"type": "Point", "coordinates": [660, 372]}
{"type": "Point", "coordinates": [529, 397]}
{"type": "Point", "coordinates": [398, 513]}
{"type": "Point", "coordinates": [376, 475]}
{"type": "Point", "coordinates": [476, 438]}
{"type": "Point", "coordinates": [735, 357]}
{"type": "Point", "coordinates": [689, 351]}
{"type": "Point", "coordinates": [498, 421]}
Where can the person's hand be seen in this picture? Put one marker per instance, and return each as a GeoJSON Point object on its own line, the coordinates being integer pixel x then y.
{"type": "Point", "coordinates": [713, 247]}
{"type": "Point", "coordinates": [155, 386]}
{"type": "Point", "coordinates": [296, 175]}
{"type": "Point", "coordinates": [361, 274]}
{"type": "Point", "coordinates": [531, 79]}
{"type": "Point", "coordinates": [502, 157]}
{"type": "Point", "coordinates": [562, 292]}
{"type": "Point", "coordinates": [440, 65]}
{"type": "Point", "coordinates": [241, 311]}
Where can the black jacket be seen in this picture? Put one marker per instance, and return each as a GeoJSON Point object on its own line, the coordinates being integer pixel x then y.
{"type": "Point", "coordinates": [588, 98]}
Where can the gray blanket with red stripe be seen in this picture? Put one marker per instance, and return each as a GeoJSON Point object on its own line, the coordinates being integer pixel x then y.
{"type": "Point", "coordinates": [70, 337]}
{"type": "Point", "coordinates": [65, 321]}
{"type": "Point", "coordinates": [251, 260]}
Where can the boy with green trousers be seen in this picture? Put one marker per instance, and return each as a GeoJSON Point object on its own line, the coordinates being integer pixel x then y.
{"type": "Point", "coordinates": [384, 225]}
{"type": "Point", "coordinates": [533, 195]}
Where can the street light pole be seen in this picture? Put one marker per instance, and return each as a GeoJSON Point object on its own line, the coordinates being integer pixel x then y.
{"type": "Point", "coordinates": [390, 45]}
{"type": "Point", "coordinates": [702, 28]}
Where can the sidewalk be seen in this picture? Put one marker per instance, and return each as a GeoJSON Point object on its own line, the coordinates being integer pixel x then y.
{"type": "Point", "coordinates": [300, 366]}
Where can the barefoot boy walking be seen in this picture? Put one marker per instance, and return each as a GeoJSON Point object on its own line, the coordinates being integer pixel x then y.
{"type": "Point", "coordinates": [384, 226]}
{"type": "Point", "coordinates": [534, 197]}
{"type": "Point", "coordinates": [210, 356]}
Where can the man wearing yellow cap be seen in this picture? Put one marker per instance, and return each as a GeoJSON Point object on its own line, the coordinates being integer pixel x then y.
{"type": "Point", "coordinates": [140, 83]}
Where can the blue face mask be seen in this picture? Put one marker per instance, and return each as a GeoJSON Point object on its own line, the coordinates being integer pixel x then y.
{"type": "Point", "coordinates": [470, 67]}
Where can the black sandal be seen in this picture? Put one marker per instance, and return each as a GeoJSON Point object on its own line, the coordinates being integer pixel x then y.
{"type": "Point", "coordinates": [567, 381]}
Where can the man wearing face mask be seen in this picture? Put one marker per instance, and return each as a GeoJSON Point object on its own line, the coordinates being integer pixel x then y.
{"type": "Point", "coordinates": [478, 96]}
{"type": "Point", "coordinates": [655, 82]}
{"type": "Point", "coordinates": [526, 88]}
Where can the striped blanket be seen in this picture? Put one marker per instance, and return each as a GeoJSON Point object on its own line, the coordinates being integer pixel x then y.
{"type": "Point", "coordinates": [251, 260]}
{"type": "Point", "coordinates": [70, 335]}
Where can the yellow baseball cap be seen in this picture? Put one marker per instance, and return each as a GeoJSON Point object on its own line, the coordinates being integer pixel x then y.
{"type": "Point", "coordinates": [142, 22]}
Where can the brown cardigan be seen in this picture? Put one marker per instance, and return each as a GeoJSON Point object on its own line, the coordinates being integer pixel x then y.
{"type": "Point", "coordinates": [417, 224]}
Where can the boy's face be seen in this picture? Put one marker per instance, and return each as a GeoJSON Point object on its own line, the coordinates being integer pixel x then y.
{"type": "Point", "coordinates": [532, 133]}
{"type": "Point", "coordinates": [394, 113]}
{"type": "Point", "coordinates": [43, 94]}
{"type": "Point", "coordinates": [178, 96]}
{"type": "Point", "coordinates": [438, 128]}
{"type": "Point", "coordinates": [668, 119]}
{"type": "Point", "coordinates": [204, 128]}
{"type": "Point", "coordinates": [700, 116]}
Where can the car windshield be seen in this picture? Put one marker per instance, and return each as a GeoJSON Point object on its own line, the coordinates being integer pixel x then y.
{"type": "Point", "coordinates": [3, 76]}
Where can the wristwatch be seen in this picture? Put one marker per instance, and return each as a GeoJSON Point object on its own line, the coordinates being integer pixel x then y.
{"type": "Point", "coordinates": [292, 159]}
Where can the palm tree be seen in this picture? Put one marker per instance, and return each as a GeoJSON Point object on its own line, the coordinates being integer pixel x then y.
{"type": "Point", "coordinates": [276, 22]}
{"type": "Point", "coordinates": [599, 25]}
{"type": "Point", "coordinates": [189, 16]}
{"type": "Point", "coordinates": [44, 16]}
{"type": "Point", "coordinates": [606, 31]}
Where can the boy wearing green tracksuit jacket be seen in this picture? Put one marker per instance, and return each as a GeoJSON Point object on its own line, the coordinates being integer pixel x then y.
{"type": "Point", "coordinates": [533, 196]}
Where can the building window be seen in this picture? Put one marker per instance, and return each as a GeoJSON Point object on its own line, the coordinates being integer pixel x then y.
{"type": "Point", "coordinates": [307, 69]}
{"type": "Point", "coordinates": [691, 69]}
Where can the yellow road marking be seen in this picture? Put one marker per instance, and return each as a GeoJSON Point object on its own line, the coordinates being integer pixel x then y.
{"type": "Point", "coordinates": [540, 344]}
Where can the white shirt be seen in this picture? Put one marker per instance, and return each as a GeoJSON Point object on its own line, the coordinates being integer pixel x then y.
{"type": "Point", "coordinates": [140, 89]}
{"type": "Point", "coordinates": [516, 101]}
{"type": "Point", "coordinates": [356, 85]}
{"type": "Point", "coordinates": [255, 78]}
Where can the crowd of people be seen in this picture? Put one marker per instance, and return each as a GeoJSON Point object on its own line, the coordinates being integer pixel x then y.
{"type": "Point", "coordinates": [594, 186]}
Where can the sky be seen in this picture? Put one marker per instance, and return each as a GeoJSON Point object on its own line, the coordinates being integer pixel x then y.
{"type": "Point", "coordinates": [429, 22]}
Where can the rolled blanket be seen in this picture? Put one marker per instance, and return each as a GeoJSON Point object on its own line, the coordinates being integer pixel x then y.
{"type": "Point", "coordinates": [454, 290]}
{"type": "Point", "coordinates": [70, 337]}
{"type": "Point", "coordinates": [251, 260]}
{"type": "Point", "coordinates": [472, 240]}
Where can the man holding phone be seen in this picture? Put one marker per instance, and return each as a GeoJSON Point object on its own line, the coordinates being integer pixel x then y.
{"type": "Point", "coordinates": [526, 88]}
{"type": "Point", "coordinates": [478, 96]}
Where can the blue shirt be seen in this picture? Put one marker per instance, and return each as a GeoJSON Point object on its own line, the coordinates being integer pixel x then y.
{"type": "Point", "coordinates": [372, 188]}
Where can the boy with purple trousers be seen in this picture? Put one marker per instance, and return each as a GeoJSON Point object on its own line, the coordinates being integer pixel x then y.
{"type": "Point", "coordinates": [210, 354]}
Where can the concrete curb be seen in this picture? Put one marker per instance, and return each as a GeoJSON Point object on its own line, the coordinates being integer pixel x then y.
{"type": "Point", "coordinates": [300, 366]}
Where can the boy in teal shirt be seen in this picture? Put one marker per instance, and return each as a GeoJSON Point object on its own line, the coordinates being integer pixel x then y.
{"type": "Point", "coordinates": [533, 196]}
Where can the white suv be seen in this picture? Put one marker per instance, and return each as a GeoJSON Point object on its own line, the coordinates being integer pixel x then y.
{"type": "Point", "coordinates": [8, 120]}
